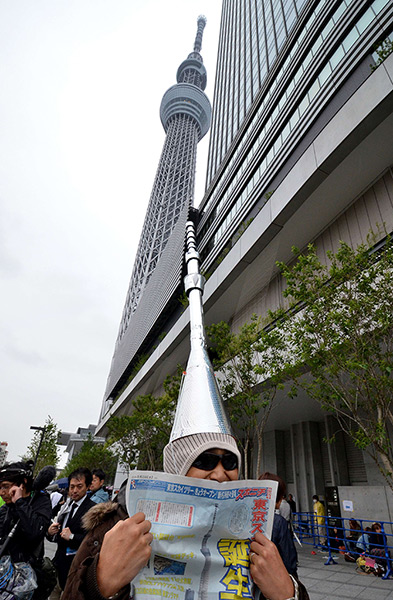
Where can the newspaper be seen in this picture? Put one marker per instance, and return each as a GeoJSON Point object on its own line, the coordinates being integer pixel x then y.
{"type": "Point", "coordinates": [201, 534]}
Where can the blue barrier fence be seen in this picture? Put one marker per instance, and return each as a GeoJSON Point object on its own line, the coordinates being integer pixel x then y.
{"type": "Point", "coordinates": [334, 535]}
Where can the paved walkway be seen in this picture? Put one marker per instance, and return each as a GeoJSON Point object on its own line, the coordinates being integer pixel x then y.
{"type": "Point", "coordinates": [331, 582]}
{"type": "Point", "coordinates": [340, 581]}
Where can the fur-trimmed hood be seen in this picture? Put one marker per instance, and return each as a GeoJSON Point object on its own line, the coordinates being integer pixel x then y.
{"type": "Point", "coordinates": [104, 510]}
{"type": "Point", "coordinates": [98, 514]}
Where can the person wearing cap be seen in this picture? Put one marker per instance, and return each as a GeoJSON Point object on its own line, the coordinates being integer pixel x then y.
{"type": "Point", "coordinates": [116, 548]}
{"type": "Point", "coordinates": [201, 445]}
{"type": "Point", "coordinates": [31, 511]}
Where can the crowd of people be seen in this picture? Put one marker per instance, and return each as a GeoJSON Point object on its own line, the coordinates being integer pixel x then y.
{"type": "Point", "coordinates": [356, 542]}
{"type": "Point", "coordinates": [100, 549]}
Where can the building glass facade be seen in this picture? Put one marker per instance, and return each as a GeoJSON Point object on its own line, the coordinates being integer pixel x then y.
{"type": "Point", "coordinates": [280, 65]}
{"type": "Point", "coordinates": [252, 35]}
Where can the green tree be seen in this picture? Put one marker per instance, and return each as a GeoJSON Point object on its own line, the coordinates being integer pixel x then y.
{"type": "Point", "coordinates": [93, 455]}
{"type": "Point", "coordinates": [383, 49]}
{"type": "Point", "coordinates": [49, 451]}
{"type": "Point", "coordinates": [248, 382]}
{"type": "Point", "coordinates": [139, 438]}
{"type": "Point", "coordinates": [339, 328]}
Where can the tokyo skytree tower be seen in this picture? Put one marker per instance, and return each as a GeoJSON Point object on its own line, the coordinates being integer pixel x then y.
{"type": "Point", "coordinates": [185, 115]}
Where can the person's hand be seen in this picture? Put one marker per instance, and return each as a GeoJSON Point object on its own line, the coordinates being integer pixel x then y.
{"type": "Point", "coordinates": [125, 550]}
{"type": "Point", "coordinates": [53, 528]}
{"type": "Point", "coordinates": [66, 533]}
{"type": "Point", "coordinates": [16, 492]}
{"type": "Point", "coordinates": [268, 570]}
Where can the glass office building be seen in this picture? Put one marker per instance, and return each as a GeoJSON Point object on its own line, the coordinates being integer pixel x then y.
{"type": "Point", "coordinates": [284, 68]}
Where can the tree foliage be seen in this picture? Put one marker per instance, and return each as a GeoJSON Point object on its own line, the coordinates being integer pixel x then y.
{"type": "Point", "coordinates": [93, 455]}
{"type": "Point", "coordinates": [383, 49]}
{"type": "Point", "coordinates": [48, 451]}
{"type": "Point", "coordinates": [248, 382]}
{"type": "Point", "coordinates": [332, 336]}
{"type": "Point", "coordinates": [139, 438]}
{"type": "Point", "coordinates": [340, 329]}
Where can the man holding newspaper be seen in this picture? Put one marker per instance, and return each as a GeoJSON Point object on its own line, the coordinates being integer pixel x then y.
{"type": "Point", "coordinates": [204, 538]}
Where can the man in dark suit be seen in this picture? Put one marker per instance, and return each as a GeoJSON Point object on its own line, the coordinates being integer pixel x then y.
{"type": "Point", "coordinates": [68, 531]}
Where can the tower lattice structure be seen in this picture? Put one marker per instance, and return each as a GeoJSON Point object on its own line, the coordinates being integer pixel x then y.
{"type": "Point", "coordinates": [185, 114]}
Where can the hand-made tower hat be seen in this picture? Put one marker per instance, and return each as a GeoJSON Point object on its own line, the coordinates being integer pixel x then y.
{"type": "Point", "coordinates": [200, 421]}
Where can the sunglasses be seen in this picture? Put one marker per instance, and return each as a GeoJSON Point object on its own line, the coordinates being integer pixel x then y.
{"type": "Point", "coordinates": [207, 461]}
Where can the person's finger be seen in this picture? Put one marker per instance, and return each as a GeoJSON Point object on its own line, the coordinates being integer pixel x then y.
{"type": "Point", "coordinates": [261, 539]}
{"type": "Point", "coordinates": [148, 538]}
{"type": "Point", "coordinates": [256, 548]}
{"type": "Point", "coordinates": [138, 520]}
{"type": "Point", "coordinates": [145, 526]}
{"type": "Point", "coordinates": [138, 517]}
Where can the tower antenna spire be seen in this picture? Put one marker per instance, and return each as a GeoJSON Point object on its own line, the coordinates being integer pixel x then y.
{"type": "Point", "coordinates": [198, 38]}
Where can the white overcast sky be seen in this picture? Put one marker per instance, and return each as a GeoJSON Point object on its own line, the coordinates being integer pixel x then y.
{"type": "Point", "coordinates": [80, 139]}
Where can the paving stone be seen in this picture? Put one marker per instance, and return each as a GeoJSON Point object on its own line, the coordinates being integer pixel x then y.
{"type": "Point", "coordinates": [342, 577]}
{"type": "Point", "coordinates": [319, 574]}
{"type": "Point", "coordinates": [326, 587]}
{"type": "Point", "coordinates": [376, 594]}
{"type": "Point", "coordinates": [350, 591]}
{"type": "Point", "coordinates": [309, 584]}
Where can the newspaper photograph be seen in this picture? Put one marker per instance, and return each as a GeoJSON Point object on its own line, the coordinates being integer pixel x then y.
{"type": "Point", "coordinates": [202, 532]}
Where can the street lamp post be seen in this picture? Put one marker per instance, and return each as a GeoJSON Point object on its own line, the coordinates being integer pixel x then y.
{"type": "Point", "coordinates": [43, 430]}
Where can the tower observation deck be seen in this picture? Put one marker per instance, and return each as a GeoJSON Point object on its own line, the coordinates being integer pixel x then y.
{"type": "Point", "coordinates": [185, 115]}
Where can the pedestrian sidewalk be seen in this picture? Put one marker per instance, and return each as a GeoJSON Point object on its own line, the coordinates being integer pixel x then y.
{"type": "Point", "coordinates": [340, 581]}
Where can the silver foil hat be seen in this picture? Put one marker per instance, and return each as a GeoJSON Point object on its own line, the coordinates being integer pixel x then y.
{"type": "Point", "coordinates": [200, 407]}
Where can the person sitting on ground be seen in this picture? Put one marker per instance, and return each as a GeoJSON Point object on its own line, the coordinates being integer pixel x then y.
{"type": "Point", "coordinates": [335, 538]}
{"type": "Point", "coordinates": [353, 536]}
{"type": "Point", "coordinates": [378, 544]}
{"type": "Point", "coordinates": [362, 545]}
{"type": "Point", "coordinates": [363, 542]}
{"type": "Point", "coordinates": [281, 534]}
{"type": "Point", "coordinates": [97, 487]}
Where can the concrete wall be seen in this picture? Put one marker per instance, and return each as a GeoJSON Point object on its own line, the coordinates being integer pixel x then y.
{"type": "Point", "coordinates": [369, 502]}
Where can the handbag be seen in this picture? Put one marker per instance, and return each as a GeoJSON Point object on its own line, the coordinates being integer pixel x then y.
{"type": "Point", "coordinates": [17, 580]}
